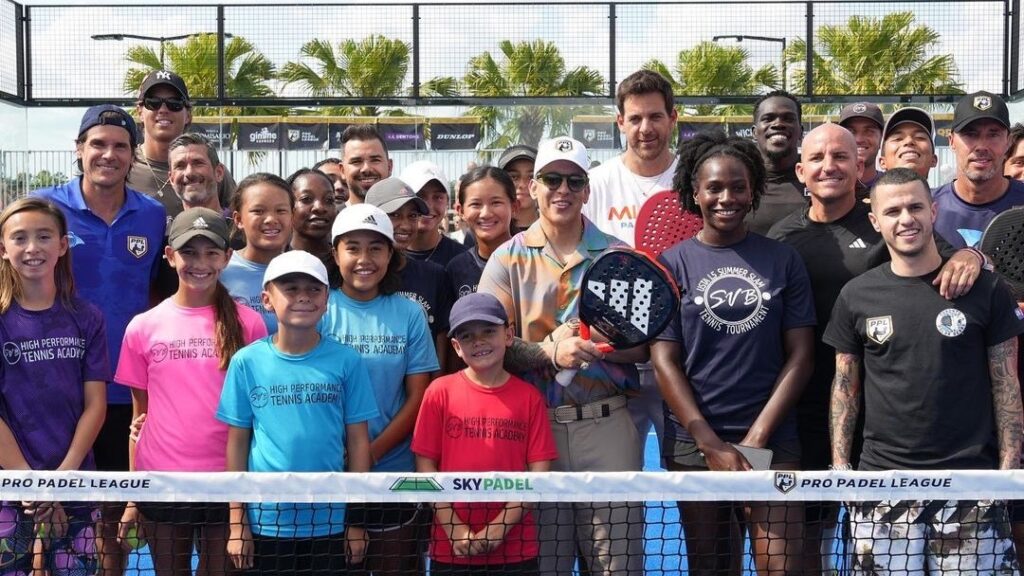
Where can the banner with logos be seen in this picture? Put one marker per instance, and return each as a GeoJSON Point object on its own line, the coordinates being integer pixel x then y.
{"type": "Point", "coordinates": [596, 132]}
{"type": "Point", "coordinates": [454, 134]}
{"type": "Point", "coordinates": [299, 135]}
{"type": "Point", "coordinates": [403, 133]}
{"type": "Point", "coordinates": [217, 130]}
{"type": "Point", "coordinates": [257, 134]}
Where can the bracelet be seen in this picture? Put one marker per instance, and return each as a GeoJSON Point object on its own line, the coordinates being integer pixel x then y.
{"type": "Point", "coordinates": [841, 467]}
{"type": "Point", "coordinates": [985, 264]}
{"type": "Point", "coordinates": [554, 356]}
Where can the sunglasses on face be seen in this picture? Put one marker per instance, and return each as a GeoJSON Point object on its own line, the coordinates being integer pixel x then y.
{"type": "Point", "coordinates": [553, 181]}
{"type": "Point", "coordinates": [173, 104]}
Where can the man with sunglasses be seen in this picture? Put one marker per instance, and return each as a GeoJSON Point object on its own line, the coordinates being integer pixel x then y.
{"type": "Point", "coordinates": [166, 111]}
{"type": "Point", "coordinates": [537, 276]}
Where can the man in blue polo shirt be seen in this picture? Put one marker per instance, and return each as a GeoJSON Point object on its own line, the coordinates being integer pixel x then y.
{"type": "Point", "coordinates": [116, 237]}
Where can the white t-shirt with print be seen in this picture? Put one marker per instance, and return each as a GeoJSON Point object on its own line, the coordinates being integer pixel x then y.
{"type": "Point", "coordinates": [616, 194]}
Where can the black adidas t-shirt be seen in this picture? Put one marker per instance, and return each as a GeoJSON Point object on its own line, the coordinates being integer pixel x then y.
{"type": "Point", "coordinates": [927, 392]}
{"type": "Point", "coordinates": [464, 273]}
{"type": "Point", "coordinates": [441, 255]}
{"type": "Point", "coordinates": [426, 284]}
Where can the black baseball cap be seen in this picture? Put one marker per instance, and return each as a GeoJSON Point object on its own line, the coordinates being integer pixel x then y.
{"type": "Point", "coordinates": [517, 152]}
{"type": "Point", "coordinates": [163, 78]}
{"type": "Point", "coordinates": [913, 115]}
{"type": "Point", "coordinates": [861, 110]}
{"type": "Point", "coordinates": [94, 116]}
{"type": "Point", "coordinates": [478, 306]}
{"type": "Point", "coordinates": [198, 222]}
{"type": "Point", "coordinates": [980, 106]}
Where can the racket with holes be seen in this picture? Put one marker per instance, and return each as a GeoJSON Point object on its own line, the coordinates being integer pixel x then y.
{"type": "Point", "coordinates": [627, 297]}
{"type": "Point", "coordinates": [663, 222]}
{"type": "Point", "coordinates": [1003, 243]}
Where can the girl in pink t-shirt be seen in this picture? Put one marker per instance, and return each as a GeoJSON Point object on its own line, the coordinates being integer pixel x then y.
{"type": "Point", "coordinates": [174, 357]}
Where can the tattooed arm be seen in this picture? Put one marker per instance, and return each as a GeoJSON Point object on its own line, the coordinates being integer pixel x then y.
{"type": "Point", "coordinates": [846, 395]}
{"type": "Point", "coordinates": [523, 356]}
{"type": "Point", "coordinates": [1002, 368]}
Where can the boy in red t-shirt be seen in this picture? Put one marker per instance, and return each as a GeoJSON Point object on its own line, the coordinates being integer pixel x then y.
{"type": "Point", "coordinates": [482, 419]}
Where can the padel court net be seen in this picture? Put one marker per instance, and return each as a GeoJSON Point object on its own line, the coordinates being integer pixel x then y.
{"type": "Point", "coordinates": [935, 522]}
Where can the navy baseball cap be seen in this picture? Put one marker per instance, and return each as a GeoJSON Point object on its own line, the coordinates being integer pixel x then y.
{"type": "Point", "coordinates": [94, 117]}
{"type": "Point", "coordinates": [861, 110]}
{"type": "Point", "coordinates": [477, 306]}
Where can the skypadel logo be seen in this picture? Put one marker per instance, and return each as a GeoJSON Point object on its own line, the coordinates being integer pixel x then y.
{"type": "Point", "coordinates": [410, 484]}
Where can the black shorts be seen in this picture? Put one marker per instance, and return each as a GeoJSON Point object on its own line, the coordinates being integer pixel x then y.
{"type": "Point", "coordinates": [111, 447]}
{"type": "Point", "coordinates": [185, 513]}
{"type": "Point", "coordinates": [678, 453]}
{"type": "Point", "coordinates": [528, 568]}
{"type": "Point", "coordinates": [323, 556]}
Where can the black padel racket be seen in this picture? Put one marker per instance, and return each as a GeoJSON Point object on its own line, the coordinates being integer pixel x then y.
{"type": "Point", "coordinates": [627, 297]}
{"type": "Point", "coordinates": [663, 222]}
{"type": "Point", "coordinates": [1003, 242]}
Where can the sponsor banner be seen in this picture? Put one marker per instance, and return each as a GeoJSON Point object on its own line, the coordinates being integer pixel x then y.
{"type": "Point", "coordinates": [335, 130]}
{"type": "Point", "coordinates": [303, 136]}
{"type": "Point", "coordinates": [402, 136]}
{"type": "Point", "coordinates": [943, 128]}
{"type": "Point", "coordinates": [217, 131]}
{"type": "Point", "coordinates": [259, 136]}
{"type": "Point", "coordinates": [31, 485]}
{"type": "Point", "coordinates": [454, 136]}
{"type": "Point", "coordinates": [596, 135]}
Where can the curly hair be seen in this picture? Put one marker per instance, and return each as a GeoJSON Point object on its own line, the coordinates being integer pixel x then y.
{"type": "Point", "coordinates": [706, 145]}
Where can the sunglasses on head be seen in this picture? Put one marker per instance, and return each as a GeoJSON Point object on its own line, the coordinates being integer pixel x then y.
{"type": "Point", "coordinates": [173, 104]}
{"type": "Point", "coordinates": [553, 181]}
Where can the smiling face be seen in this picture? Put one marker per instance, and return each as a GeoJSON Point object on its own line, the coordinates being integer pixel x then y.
{"type": "Point", "coordinates": [487, 210]}
{"type": "Point", "coordinates": [904, 214]}
{"type": "Point", "coordinates": [198, 264]}
{"type": "Point", "coordinates": [908, 145]}
{"type": "Point", "coordinates": [725, 195]}
{"type": "Point", "coordinates": [106, 156]}
{"type": "Point", "coordinates": [521, 172]}
{"type": "Point", "coordinates": [829, 165]}
{"type": "Point", "coordinates": [868, 136]}
{"type": "Point", "coordinates": [482, 345]}
{"type": "Point", "coordinates": [298, 300]}
{"type": "Point", "coordinates": [436, 197]}
{"type": "Point", "coordinates": [364, 163]}
{"type": "Point", "coordinates": [1014, 165]}
{"type": "Point", "coordinates": [777, 128]}
{"type": "Point", "coordinates": [980, 148]}
{"type": "Point", "coordinates": [32, 244]}
{"type": "Point", "coordinates": [646, 124]}
{"type": "Point", "coordinates": [314, 207]}
{"type": "Point", "coordinates": [194, 177]}
{"type": "Point", "coordinates": [163, 124]}
{"type": "Point", "coordinates": [362, 257]}
{"type": "Point", "coordinates": [560, 206]}
{"type": "Point", "coordinates": [266, 219]}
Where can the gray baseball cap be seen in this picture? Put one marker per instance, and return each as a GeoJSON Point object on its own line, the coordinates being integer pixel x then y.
{"type": "Point", "coordinates": [390, 194]}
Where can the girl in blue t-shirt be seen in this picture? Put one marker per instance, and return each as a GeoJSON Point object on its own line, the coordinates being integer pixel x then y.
{"type": "Point", "coordinates": [262, 210]}
{"type": "Point", "coordinates": [52, 386]}
{"type": "Point", "coordinates": [734, 361]}
{"type": "Point", "coordinates": [391, 334]}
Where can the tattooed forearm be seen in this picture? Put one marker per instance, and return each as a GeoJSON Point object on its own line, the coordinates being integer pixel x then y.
{"type": "Point", "coordinates": [846, 391]}
{"type": "Point", "coordinates": [524, 356]}
{"type": "Point", "coordinates": [1002, 367]}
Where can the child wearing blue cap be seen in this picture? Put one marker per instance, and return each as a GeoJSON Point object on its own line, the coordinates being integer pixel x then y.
{"type": "Point", "coordinates": [482, 419]}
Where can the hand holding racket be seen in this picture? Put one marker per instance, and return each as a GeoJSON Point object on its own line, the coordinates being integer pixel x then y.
{"type": "Point", "coordinates": [627, 297]}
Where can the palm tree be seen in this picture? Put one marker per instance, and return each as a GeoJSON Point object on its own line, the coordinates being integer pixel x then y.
{"type": "Point", "coordinates": [246, 71]}
{"type": "Point", "coordinates": [710, 69]}
{"type": "Point", "coordinates": [887, 55]}
{"type": "Point", "coordinates": [527, 69]}
{"type": "Point", "coordinates": [374, 67]}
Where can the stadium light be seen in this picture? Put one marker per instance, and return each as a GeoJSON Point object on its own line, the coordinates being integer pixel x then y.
{"type": "Point", "coordinates": [161, 39]}
{"type": "Point", "coordinates": [742, 37]}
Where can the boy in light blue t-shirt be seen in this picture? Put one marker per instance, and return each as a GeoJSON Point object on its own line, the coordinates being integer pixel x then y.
{"type": "Point", "coordinates": [284, 397]}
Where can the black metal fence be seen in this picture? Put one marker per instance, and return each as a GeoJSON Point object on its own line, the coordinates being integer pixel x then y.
{"type": "Point", "coordinates": [76, 55]}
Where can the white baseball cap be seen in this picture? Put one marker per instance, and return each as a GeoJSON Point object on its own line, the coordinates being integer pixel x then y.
{"type": "Point", "coordinates": [362, 217]}
{"type": "Point", "coordinates": [295, 262]}
{"type": "Point", "coordinates": [561, 148]}
{"type": "Point", "coordinates": [417, 174]}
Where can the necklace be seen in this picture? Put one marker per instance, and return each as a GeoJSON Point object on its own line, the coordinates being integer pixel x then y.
{"type": "Point", "coordinates": [160, 190]}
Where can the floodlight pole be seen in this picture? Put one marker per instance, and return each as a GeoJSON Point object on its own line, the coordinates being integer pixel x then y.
{"type": "Point", "coordinates": [161, 39]}
{"type": "Point", "coordinates": [742, 37]}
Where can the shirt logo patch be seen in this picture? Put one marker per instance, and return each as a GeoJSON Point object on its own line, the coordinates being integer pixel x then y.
{"type": "Point", "coordinates": [951, 322]}
{"type": "Point", "coordinates": [879, 329]}
{"type": "Point", "coordinates": [74, 240]}
{"type": "Point", "coordinates": [858, 243]}
{"type": "Point", "coordinates": [12, 352]}
{"type": "Point", "coordinates": [138, 246]}
{"type": "Point", "coordinates": [1019, 313]}
{"type": "Point", "coordinates": [733, 299]}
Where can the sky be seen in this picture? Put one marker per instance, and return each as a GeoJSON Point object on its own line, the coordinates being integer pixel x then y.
{"type": "Point", "coordinates": [68, 63]}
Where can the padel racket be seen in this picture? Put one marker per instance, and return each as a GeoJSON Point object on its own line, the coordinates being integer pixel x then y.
{"type": "Point", "coordinates": [1003, 242]}
{"type": "Point", "coordinates": [663, 222]}
{"type": "Point", "coordinates": [627, 297]}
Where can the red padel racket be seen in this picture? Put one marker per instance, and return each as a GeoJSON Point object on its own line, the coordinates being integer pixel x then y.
{"type": "Point", "coordinates": [663, 222]}
{"type": "Point", "coordinates": [1003, 243]}
{"type": "Point", "coordinates": [627, 297]}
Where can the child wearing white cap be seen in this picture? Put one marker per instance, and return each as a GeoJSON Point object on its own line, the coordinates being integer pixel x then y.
{"type": "Point", "coordinates": [296, 402]}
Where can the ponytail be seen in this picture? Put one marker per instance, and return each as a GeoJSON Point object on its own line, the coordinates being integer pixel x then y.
{"type": "Point", "coordinates": [227, 327]}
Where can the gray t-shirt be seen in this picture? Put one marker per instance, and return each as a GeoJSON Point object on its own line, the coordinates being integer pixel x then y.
{"type": "Point", "coordinates": [151, 178]}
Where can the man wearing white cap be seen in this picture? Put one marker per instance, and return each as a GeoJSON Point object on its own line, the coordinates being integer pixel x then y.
{"type": "Point", "coordinates": [429, 182]}
{"type": "Point", "coordinates": [537, 277]}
